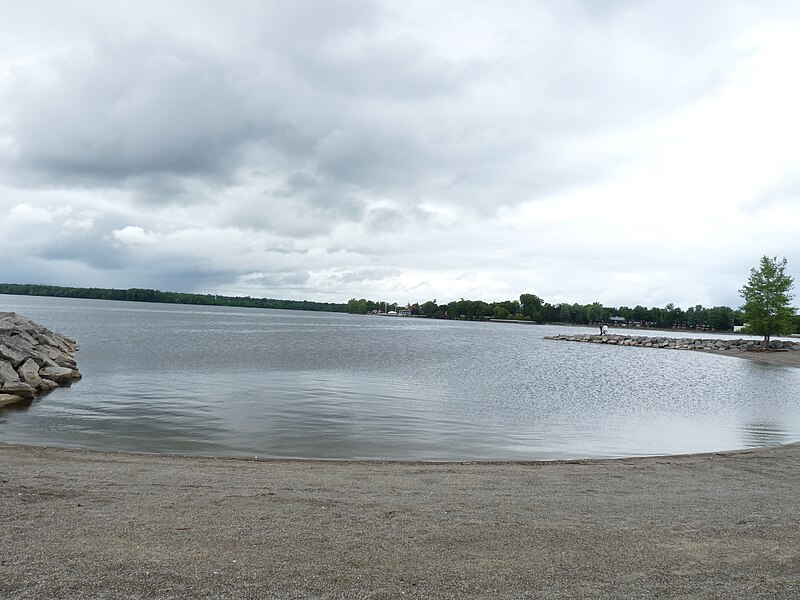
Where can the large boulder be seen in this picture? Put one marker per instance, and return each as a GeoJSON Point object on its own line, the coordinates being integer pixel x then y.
{"type": "Point", "coordinates": [7, 373]}
{"type": "Point", "coordinates": [15, 357]}
{"type": "Point", "coordinates": [60, 375]}
{"type": "Point", "coordinates": [19, 388]}
{"type": "Point", "coordinates": [6, 399]}
{"type": "Point", "coordinates": [29, 373]}
{"type": "Point", "coordinates": [33, 359]}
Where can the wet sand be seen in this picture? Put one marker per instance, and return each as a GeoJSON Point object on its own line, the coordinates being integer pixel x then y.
{"type": "Point", "coordinates": [787, 358]}
{"type": "Point", "coordinates": [81, 524]}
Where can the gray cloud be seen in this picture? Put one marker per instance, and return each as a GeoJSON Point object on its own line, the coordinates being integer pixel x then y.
{"type": "Point", "coordinates": [130, 108]}
{"type": "Point", "coordinates": [368, 274]}
{"type": "Point", "coordinates": [315, 148]}
{"type": "Point", "coordinates": [91, 252]}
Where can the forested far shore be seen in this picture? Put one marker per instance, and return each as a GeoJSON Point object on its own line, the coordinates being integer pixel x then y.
{"type": "Point", "coordinates": [148, 295]}
{"type": "Point", "coordinates": [530, 307]}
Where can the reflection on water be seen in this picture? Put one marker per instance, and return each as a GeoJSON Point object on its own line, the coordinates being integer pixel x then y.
{"type": "Point", "coordinates": [765, 434]}
{"type": "Point", "coordinates": [160, 378]}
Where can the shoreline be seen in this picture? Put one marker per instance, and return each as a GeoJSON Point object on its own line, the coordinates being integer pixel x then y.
{"type": "Point", "coordinates": [534, 462]}
{"type": "Point", "coordinates": [736, 347]}
{"type": "Point", "coordinates": [787, 358]}
{"type": "Point", "coordinates": [80, 523]}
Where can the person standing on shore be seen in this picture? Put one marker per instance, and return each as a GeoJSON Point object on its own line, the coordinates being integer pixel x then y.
{"type": "Point", "coordinates": [604, 329]}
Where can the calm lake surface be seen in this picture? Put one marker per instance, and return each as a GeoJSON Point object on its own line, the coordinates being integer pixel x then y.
{"type": "Point", "coordinates": [272, 383]}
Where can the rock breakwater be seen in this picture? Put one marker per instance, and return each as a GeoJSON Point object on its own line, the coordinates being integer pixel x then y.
{"type": "Point", "coordinates": [33, 359]}
{"type": "Point", "coordinates": [687, 343]}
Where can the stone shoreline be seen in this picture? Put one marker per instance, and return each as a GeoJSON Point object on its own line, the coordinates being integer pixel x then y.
{"type": "Point", "coordinates": [722, 345]}
{"type": "Point", "coordinates": [33, 359]}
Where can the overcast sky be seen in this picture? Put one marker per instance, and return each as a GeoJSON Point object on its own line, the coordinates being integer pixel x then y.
{"type": "Point", "coordinates": [622, 152]}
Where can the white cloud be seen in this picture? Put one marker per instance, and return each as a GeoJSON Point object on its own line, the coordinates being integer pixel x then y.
{"type": "Point", "coordinates": [23, 215]}
{"type": "Point", "coordinates": [133, 235]}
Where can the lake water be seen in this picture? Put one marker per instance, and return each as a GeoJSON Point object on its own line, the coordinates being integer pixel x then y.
{"type": "Point", "coordinates": [272, 383]}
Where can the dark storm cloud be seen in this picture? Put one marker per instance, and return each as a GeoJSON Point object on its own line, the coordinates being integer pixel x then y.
{"type": "Point", "coordinates": [325, 87]}
{"type": "Point", "coordinates": [89, 251]}
{"type": "Point", "coordinates": [131, 107]}
{"type": "Point", "coordinates": [300, 211]}
{"type": "Point", "coordinates": [149, 111]}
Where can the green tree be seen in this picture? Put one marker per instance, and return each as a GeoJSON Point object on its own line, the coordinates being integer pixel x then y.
{"type": "Point", "coordinates": [357, 307]}
{"type": "Point", "coordinates": [549, 313]}
{"type": "Point", "coordinates": [696, 317]}
{"type": "Point", "coordinates": [565, 313]}
{"type": "Point", "coordinates": [579, 313]}
{"type": "Point", "coordinates": [640, 313]}
{"type": "Point", "coordinates": [673, 316]}
{"type": "Point", "coordinates": [720, 318]}
{"type": "Point", "coordinates": [429, 308]}
{"type": "Point", "coordinates": [767, 297]}
{"type": "Point", "coordinates": [500, 312]}
{"type": "Point", "coordinates": [531, 306]}
{"type": "Point", "coordinates": [595, 312]}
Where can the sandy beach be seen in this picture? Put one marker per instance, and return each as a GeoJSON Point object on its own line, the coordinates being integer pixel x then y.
{"type": "Point", "coordinates": [81, 524]}
{"type": "Point", "coordinates": [784, 358]}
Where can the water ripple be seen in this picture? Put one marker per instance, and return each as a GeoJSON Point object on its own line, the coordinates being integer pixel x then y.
{"type": "Point", "coordinates": [294, 384]}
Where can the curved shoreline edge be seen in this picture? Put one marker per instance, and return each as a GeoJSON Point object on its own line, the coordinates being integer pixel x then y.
{"type": "Point", "coordinates": [387, 461]}
{"type": "Point", "coordinates": [134, 526]}
{"type": "Point", "coordinates": [785, 353]}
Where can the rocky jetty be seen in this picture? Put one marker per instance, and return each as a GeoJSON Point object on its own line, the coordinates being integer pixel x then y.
{"type": "Point", "coordinates": [33, 359]}
{"type": "Point", "coordinates": [686, 343]}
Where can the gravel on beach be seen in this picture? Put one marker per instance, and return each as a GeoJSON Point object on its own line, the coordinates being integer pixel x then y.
{"type": "Point", "coordinates": [83, 524]}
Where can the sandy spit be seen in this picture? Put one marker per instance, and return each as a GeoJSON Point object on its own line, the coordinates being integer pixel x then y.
{"type": "Point", "coordinates": [81, 524]}
{"type": "Point", "coordinates": [787, 358]}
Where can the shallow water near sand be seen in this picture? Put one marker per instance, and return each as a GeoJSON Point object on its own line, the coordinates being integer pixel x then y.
{"type": "Point", "coordinates": [272, 383]}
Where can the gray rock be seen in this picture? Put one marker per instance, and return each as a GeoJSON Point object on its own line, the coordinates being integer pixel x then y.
{"type": "Point", "coordinates": [15, 357]}
{"type": "Point", "coordinates": [7, 372]}
{"type": "Point", "coordinates": [29, 373]}
{"type": "Point", "coordinates": [33, 358]}
{"type": "Point", "coordinates": [58, 374]}
{"type": "Point", "coordinates": [19, 345]}
{"type": "Point", "coordinates": [45, 385]}
{"type": "Point", "coordinates": [6, 399]}
{"type": "Point", "coordinates": [736, 345]}
{"type": "Point", "coordinates": [59, 357]}
{"type": "Point", "coordinates": [18, 388]}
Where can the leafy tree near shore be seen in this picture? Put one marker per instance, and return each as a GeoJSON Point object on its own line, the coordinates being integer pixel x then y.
{"type": "Point", "coordinates": [767, 296]}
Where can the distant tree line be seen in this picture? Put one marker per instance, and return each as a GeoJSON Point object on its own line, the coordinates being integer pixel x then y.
{"type": "Point", "coordinates": [530, 307]}
{"type": "Point", "coordinates": [147, 295]}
